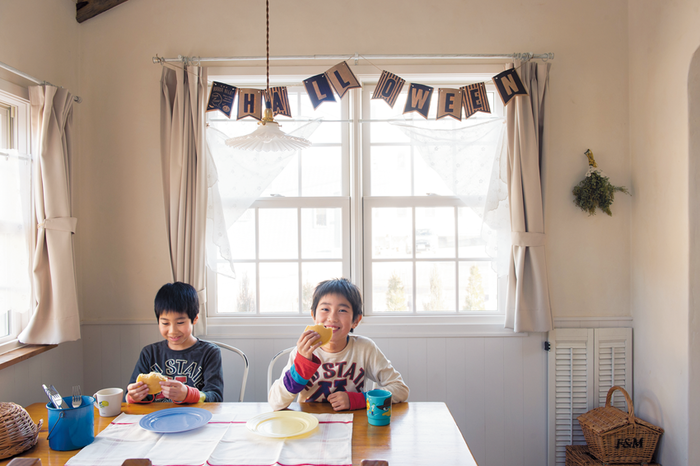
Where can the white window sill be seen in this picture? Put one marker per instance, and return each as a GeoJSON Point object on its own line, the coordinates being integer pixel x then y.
{"type": "Point", "coordinates": [371, 326]}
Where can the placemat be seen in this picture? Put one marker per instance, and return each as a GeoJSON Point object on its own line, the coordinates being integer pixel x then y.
{"type": "Point", "coordinates": [223, 441]}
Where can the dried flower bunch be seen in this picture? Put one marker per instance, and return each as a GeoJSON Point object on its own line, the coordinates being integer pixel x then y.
{"type": "Point", "coordinates": [595, 190]}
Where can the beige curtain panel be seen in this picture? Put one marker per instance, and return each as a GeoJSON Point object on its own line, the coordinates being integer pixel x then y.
{"type": "Point", "coordinates": [56, 318]}
{"type": "Point", "coordinates": [527, 300]}
{"type": "Point", "coordinates": [182, 106]}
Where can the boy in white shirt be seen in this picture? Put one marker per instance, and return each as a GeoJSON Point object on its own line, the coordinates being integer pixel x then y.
{"type": "Point", "coordinates": [337, 371]}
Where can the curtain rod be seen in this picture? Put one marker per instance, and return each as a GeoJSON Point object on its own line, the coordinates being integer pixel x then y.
{"type": "Point", "coordinates": [505, 56]}
{"type": "Point", "coordinates": [31, 78]}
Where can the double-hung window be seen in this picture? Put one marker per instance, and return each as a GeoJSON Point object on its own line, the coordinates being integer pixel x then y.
{"type": "Point", "coordinates": [365, 202]}
{"type": "Point", "coordinates": [16, 235]}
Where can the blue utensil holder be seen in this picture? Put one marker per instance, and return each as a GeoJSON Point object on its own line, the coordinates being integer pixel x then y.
{"type": "Point", "coordinates": [72, 428]}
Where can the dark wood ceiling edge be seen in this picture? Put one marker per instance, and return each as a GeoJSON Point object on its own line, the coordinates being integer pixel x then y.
{"type": "Point", "coordinates": [86, 9]}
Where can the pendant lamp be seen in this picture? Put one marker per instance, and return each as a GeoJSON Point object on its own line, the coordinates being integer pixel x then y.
{"type": "Point", "coordinates": [268, 137]}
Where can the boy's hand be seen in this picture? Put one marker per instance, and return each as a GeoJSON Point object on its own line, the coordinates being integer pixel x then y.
{"type": "Point", "coordinates": [137, 391]}
{"type": "Point", "coordinates": [340, 401]}
{"type": "Point", "coordinates": [176, 391]}
{"type": "Point", "coordinates": [307, 343]}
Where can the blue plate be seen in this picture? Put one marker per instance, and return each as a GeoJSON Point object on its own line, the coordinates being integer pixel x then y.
{"type": "Point", "coordinates": [173, 420]}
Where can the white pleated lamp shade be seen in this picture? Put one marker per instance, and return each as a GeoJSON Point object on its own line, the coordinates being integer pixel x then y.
{"type": "Point", "coordinates": [268, 138]}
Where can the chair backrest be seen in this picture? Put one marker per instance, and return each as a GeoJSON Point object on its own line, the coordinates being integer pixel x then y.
{"type": "Point", "coordinates": [271, 367]}
{"type": "Point", "coordinates": [246, 365]}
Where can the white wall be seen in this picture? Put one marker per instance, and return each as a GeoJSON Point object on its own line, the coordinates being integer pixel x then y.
{"type": "Point", "coordinates": [121, 239]}
{"type": "Point", "coordinates": [40, 38]}
{"type": "Point", "coordinates": [663, 38]}
{"type": "Point", "coordinates": [122, 245]}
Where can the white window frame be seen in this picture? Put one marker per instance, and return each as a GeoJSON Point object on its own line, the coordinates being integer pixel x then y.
{"type": "Point", "coordinates": [251, 78]}
{"type": "Point", "coordinates": [414, 202]}
{"type": "Point", "coordinates": [18, 97]}
{"type": "Point", "coordinates": [374, 326]}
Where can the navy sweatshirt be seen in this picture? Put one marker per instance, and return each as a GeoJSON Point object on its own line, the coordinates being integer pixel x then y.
{"type": "Point", "coordinates": [198, 366]}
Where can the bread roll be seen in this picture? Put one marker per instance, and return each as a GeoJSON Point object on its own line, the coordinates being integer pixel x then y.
{"type": "Point", "coordinates": [153, 381]}
{"type": "Point", "coordinates": [326, 333]}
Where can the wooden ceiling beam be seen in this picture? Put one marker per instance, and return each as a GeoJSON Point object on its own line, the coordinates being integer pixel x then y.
{"type": "Point", "coordinates": [86, 9]}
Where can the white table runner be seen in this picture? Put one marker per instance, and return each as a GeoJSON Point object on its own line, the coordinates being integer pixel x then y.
{"type": "Point", "coordinates": [224, 441]}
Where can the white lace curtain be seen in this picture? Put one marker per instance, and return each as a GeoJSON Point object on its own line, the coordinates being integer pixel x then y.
{"type": "Point", "coordinates": [250, 173]}
{"type": "Point", "coordinates": [469, 157]}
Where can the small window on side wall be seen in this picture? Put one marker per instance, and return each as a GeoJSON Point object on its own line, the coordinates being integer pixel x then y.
{"type": "Point", "coordinates": [16, 216]}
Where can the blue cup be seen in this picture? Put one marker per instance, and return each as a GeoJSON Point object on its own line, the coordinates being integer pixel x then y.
{"type": "Point", "coordinates": [71, 428]}
{"type": "Point", "coordinates": [378, 407]}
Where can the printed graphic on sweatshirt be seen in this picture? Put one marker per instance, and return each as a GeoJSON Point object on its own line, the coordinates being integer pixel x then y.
{"type": "Point", "coordinates": [180, 370]}
{"type": "Point", "coordinates": [336, 377]}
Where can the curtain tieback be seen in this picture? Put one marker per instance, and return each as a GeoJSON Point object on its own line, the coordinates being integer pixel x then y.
{"type": "Point", "coordinates": [59, 223]}
{"type": "Point", "coordinates": [523, 238]}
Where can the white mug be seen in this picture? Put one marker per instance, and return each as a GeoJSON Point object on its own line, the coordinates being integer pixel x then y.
{"type": "Point", "coordinates": [109, 401]}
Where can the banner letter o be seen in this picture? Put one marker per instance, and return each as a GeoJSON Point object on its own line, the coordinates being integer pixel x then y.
{"type": "Point", "coordinates": [388, 87]}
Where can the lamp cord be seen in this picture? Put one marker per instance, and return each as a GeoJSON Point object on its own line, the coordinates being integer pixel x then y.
{"type": "Point", "coordinates": [267, 13]}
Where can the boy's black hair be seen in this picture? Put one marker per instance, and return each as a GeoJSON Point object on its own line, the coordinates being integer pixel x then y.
{"type": "Point", "coordinates": [177, 297]}
{"type": "Point", "coordinates": [343, 287]}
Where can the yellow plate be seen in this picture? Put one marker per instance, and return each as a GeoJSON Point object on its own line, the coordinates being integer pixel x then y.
{"type": "Point", "coordinates": [281, 424]}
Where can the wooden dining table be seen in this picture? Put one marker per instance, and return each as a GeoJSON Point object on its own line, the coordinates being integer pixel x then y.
{"type": "Point", "coordinates": [420, 433]}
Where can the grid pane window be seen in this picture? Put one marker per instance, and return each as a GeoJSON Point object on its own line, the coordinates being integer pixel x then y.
{"type": "Point", "coordinates": [392, 287]}
{"type": "Point", "coordinates": [278, 234]}
{"type": "Point", "coordinates": [295, 234]}
{"type": "Point", "coordinates": [422, 247]}
{"type": "Point", "coordinates": [391, 233]}
{"type": "Point", "coordinates": [428, 252]}
{"type": "Point", "coordinates": [321, 233]}
{"type": "Point", "coordinates": [15, 216]}
{"type": "Point", "coordinates": [435, 286]}
{"type": "Point", "coordinates": [477, 286]}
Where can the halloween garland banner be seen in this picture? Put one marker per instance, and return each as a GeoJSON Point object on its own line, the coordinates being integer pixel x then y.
{"type": "Point", "coordinates": [279, 100]}
{"type": "Point", "coordinates": [340, 79]}
{"type": "Point", "coordinates": [221, 98]}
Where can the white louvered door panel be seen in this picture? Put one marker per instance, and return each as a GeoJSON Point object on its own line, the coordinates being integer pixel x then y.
{"type": "Point", "coordinates": [583, 365]}
{"type": "Point", "coordinates": [613, 348]}
{"type": "Point", "coordinates": [570, 388]}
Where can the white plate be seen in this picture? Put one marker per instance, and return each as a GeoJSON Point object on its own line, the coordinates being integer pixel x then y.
{"type": "Point", "coordinates": [281, 424]}
{"type": "Point", "coordinates": [172, 420]}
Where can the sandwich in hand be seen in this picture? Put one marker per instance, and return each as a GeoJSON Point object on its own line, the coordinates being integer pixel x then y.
{"type": "Point", "coordinates": [326, 333]}
{"type": "Point", "coordinates": [153, 381]}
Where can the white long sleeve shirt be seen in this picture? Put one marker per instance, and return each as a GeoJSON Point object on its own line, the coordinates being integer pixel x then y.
{"type": "Point", "coordinates": [348, 370]}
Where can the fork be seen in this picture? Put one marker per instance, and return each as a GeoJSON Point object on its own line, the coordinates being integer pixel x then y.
{"type": "Point", "coordinates": [77, 396]}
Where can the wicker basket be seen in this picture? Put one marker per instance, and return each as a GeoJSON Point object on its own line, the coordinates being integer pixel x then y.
{"type": "Point", "coordinates": [614, 436]}
{"type": "Point", "coordinates": [578, 455]}
{"type": "Point", "coordinates": [18, 432]}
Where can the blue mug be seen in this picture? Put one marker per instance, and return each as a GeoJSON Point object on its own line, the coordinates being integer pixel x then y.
{"type": "Point", "coordinates": [378, 407]}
